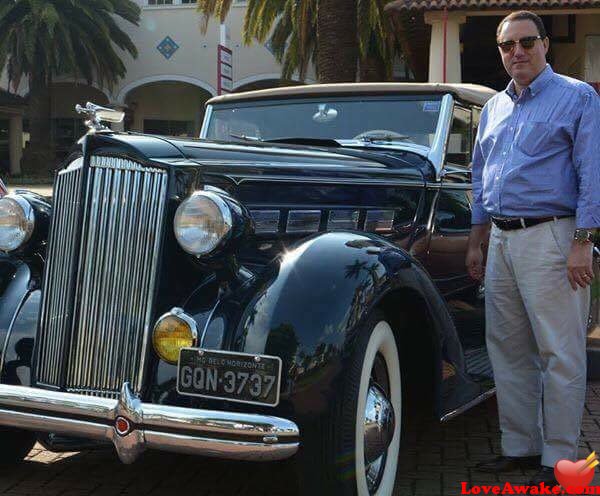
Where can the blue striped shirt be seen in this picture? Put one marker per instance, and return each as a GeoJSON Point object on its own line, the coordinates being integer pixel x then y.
{"type": "Point", "coordinates": [538, 154]}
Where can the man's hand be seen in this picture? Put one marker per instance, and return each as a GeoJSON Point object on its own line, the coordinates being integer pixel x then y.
{"type": "Point", "coordinates": [579, 265]}
{"type": "Point", "coordinates": [474, 261]}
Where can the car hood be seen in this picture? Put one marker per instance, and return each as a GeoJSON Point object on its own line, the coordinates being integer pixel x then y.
{"type": "Point", "coordinates": [277, 159]}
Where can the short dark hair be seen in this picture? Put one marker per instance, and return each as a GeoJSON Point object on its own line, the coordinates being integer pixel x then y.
{"type": "Point", "coordinates": [524, 15]}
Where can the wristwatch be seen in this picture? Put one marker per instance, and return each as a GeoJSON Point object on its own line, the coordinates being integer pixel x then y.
{"type": "Point", "coordinates": [584, 235]}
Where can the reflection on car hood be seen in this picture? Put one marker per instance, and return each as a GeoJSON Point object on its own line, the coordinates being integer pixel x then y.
{"type": "Point", "coordinates": [353, 154]}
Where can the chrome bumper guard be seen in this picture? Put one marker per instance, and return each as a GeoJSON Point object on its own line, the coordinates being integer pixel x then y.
{"type": "Point", "coordinates": [133, 426]}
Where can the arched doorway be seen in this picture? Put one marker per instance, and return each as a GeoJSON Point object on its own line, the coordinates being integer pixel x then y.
{"type": "Point", "coordinates": [171, 108]}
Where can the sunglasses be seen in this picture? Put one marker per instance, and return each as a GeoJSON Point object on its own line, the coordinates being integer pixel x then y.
{"type": "Point", "coordinates": [527, 43]}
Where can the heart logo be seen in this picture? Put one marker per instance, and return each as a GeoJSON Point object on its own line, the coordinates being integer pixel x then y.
{"type": "Point", "coordinates": [575, 474]}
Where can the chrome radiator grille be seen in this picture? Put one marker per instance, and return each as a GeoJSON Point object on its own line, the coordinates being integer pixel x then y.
{"type": "Point", "coordinates": [101, 341]}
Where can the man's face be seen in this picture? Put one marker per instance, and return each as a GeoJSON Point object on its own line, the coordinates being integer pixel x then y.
{"type": "Point", "coordinates": [522, 64]}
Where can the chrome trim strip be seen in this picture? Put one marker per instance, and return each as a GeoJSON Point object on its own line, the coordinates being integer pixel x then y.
{"type": "Point", "coordinates": [55, 316]}
{"type": "Point", "coordinates": [208, 321]}
{"type": "Point", "coordinates": [332, 180]}
{"type": "Point", "coordinates": [201, 432]}
{"type": "Point", "coordinates": [303, 221]}
{"type": "Point", "coordinates": [219, 448]}
{"type": "Point", "coordinates": [352, 220]}
{"type": "Point", "coordinates": [266, 212]}
{"type": "Point", "coordinates": [206, 121]}
{"type": "Point", "coordinates": [475, 401]}
{"type": "Point", "coordinates": [450, 186]}
{"type": "Point", "coordinates": [437, 154]}
{"type": "Point", "coordinates": [115, 262]}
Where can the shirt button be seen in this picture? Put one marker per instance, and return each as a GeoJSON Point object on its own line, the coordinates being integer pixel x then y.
{"type": "Point", "coordinates": [503, 153]}
{"type": "Point", "coordinates": [512, 128]}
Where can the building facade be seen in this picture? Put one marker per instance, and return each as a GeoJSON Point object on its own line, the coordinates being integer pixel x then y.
{"type": "Point", "coordinates": [165, 87]}
{"type": "Point", "coordinates": [455, 40]}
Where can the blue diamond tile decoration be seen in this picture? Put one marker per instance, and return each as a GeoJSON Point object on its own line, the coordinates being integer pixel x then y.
{"type": "Point", "coordinates": [167, 47]}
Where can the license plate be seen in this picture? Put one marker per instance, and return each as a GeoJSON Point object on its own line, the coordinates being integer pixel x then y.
{"type": "Point", "coordinates": [240, 377]}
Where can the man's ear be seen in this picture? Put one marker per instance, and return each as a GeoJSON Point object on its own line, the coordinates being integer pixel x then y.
{"type": "Point", "coordinates": [546, 42]}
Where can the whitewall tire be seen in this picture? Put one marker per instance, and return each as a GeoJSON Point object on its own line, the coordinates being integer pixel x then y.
{"type": "Point", "coordinates": [380, 370]}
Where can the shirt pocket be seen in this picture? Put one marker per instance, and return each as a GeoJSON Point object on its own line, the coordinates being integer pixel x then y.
{"type": "Point", "coordinates": [535, 137]}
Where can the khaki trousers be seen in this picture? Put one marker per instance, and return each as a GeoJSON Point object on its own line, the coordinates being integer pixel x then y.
{"type": "Point", "coordinates": [536, 339]}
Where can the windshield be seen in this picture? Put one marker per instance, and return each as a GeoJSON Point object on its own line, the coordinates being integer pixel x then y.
{"type": "Point", "coordinates": [411, 119]}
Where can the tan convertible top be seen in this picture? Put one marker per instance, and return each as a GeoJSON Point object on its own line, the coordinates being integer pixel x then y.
{"type": "Point", "coordinates": [469, 93]}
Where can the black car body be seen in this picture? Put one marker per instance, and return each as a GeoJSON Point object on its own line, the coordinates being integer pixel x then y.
{"type": "Point", "coordinates": [326, 240]}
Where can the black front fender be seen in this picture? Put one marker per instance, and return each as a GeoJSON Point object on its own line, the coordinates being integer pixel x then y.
{"type": "Point", "coordinates": [19, 307]}
{"type": "Point", "coordinates": [307, 306]}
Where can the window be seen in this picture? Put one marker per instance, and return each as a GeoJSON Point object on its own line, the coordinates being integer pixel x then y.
{"type": "Point", "coordinates": [65, 132]}
{"type": "Point", "coordinates": [453, 212]}
{"type": "Point", "coordinates": [460, 142]}
{"type": "Point", "coordinates": [4, 153]}
{"type": "Point", "coordinates": [160, 2]}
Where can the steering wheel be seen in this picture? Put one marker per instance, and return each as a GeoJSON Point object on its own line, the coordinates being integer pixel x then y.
{"type": "Point", "coordinates": [382, 133]}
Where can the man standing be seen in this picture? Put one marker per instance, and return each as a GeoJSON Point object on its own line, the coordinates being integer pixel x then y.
{"type": "Point", "coordinates": [536, 176]}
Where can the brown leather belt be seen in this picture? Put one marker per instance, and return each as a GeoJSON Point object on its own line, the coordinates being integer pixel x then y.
{"type": "Point", "coordinates": [523, 222]}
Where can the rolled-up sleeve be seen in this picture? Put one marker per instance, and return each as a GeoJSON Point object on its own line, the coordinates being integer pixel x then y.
{"type": "Point", "coordinates": [479, 215]}
{"type": "Point", "coordinates": [586, 157]}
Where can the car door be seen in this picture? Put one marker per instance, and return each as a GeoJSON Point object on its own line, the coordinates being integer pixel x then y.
{"type": "Point", "coordinates": [451, 226]}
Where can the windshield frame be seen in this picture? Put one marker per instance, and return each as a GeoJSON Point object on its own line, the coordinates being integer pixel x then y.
{"type": "Point", "coordinates": [435, 154]}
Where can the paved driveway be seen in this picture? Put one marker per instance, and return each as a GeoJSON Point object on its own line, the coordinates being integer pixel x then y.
{"type": "Point", "coordinates": [435, 459]}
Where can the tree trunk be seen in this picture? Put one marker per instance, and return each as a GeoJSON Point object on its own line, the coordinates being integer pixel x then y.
{"type": "Point", "coordinates": [38, 157]}
{"type": "Point", "coordinates": [373, 70]}
{"type": "Point", "coordinates": [337, 44]}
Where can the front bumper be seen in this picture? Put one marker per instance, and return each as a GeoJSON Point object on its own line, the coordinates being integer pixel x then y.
{"type": "Point", "coordinates": [133, 426]}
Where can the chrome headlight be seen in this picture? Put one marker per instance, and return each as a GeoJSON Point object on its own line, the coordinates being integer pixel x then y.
{"type": "Point", "coordinates": [202, 223]}
{"type": "Point", "coordinates": [17, 220]}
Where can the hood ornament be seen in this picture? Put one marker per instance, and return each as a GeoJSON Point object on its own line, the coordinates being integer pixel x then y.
{"type": "Point", "coordinates": [96, 115]}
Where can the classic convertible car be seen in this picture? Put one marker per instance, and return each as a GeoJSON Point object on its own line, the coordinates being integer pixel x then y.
{"type": "Point", "coordinates": [291, 285]}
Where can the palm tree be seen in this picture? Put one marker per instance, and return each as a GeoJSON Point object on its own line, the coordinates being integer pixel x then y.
{"type": "Point", "coordinates": [337, 44]}
{"type": "Point", "coordinates": [40, 39]}
{"type": "Point", "coordinates": [349, 34]}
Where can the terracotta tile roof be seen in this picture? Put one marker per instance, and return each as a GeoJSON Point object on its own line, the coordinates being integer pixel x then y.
{"type": "Point", "coordinates": [403, 5]}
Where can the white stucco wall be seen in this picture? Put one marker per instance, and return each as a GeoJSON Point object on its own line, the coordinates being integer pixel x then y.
{"type": "Point", "coordinates": [195, 61]}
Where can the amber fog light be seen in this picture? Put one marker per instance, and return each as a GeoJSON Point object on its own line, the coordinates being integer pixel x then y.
{"type": "Point", "coordinates": [173, 331]}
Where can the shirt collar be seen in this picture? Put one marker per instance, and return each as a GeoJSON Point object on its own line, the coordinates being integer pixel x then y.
{"type": "Point", "coordinates": [536, 85]}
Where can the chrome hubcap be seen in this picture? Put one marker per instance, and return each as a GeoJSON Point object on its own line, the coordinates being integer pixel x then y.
{"type": "Point", "coordinates": [379, 424]}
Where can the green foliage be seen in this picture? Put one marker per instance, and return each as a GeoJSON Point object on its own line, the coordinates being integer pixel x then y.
{"type": "Point", "coordinates": [292, 27]}
{"type": "Point", "coordinates": [69, 37]}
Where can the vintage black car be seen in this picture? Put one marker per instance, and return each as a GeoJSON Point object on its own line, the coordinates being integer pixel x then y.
{"type": "Point", "coordinates": [291, 285]}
